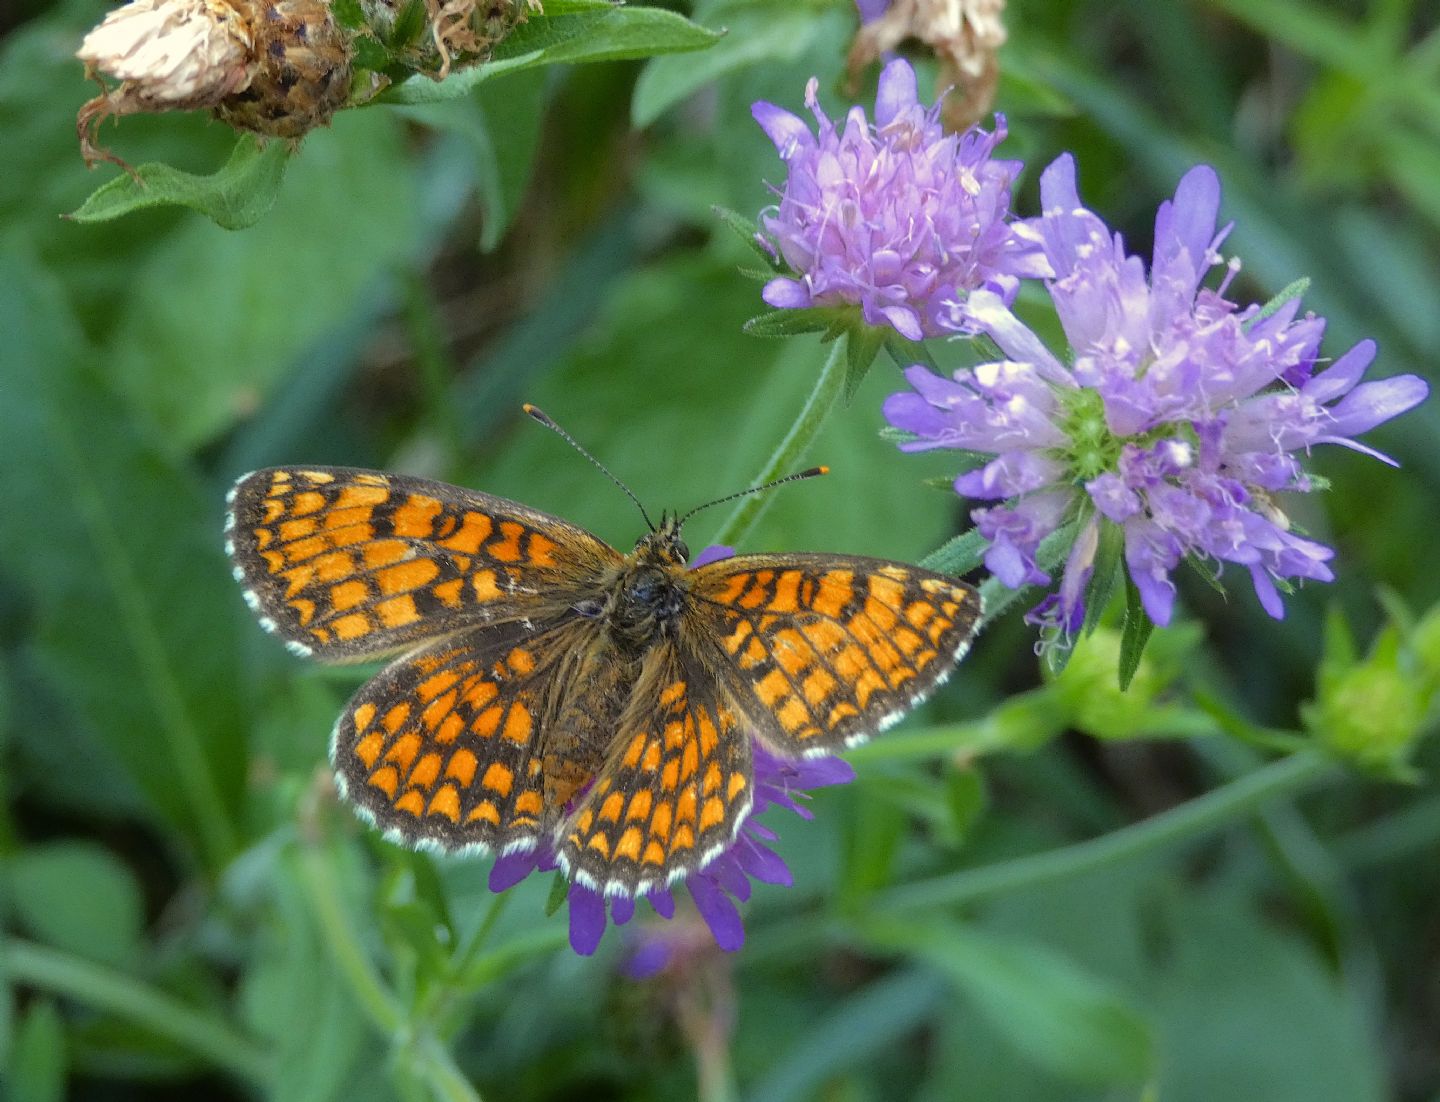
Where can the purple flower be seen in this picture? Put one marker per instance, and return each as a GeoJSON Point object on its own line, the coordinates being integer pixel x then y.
{"type": "Point", "coordinates": [1179, 416]}
{"type": "Point", "coordinates": [781, 782]}
{"type": "Point", "coordinates": [897, 217]}
{"type": "Point", "coordinates": [871, 10]}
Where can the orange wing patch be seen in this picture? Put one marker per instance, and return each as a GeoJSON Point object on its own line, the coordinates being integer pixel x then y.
{"type": "Point", "coordinates": [672, 794]}
{"type": "Point", "coordinates": [347, 564]}
{"type": "Point", "coordinates": [439, 750]}
{"type": "Point", "coordinates": [828, 649]}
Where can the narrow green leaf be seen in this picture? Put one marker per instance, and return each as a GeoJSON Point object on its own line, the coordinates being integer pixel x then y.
{"type": "Point", "coordinates": [565, 35]}
{"type": "Point", "coordinates": [78, 897]}
{"type": "Point", "coordinates": [1068, 1021]}
{"type": "Point", "coordinates": [754, 31]}
{"type": "Point", "coordinates": [35, 1069]}
{"type": "Point", "coordinates": [238, 195]}
{"type": "Point", "coordinates": [850, 1033]}
{"type": "Point", "coordinates": [119, 557]}
{"type": "Point", "coordinates": [1135, 634]}
{"type": "Point", "coordinates": [502, 124]}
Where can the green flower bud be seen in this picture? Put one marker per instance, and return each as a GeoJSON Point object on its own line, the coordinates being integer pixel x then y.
{"type": "Point", "coordinates": [1372, 710]}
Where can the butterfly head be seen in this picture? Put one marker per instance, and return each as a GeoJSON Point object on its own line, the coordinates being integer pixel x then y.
{"type": "Point", "coordinates": [663, 546]}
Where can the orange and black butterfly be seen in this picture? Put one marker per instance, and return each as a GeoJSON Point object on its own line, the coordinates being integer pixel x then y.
{"type": "Point", "coordinates": [550, 689]}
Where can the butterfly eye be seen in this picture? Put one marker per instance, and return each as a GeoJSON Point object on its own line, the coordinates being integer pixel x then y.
{"type": "Point", "coordinates": [682, 550]}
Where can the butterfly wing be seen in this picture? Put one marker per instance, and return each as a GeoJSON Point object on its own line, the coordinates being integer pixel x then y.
{"type": "Point", "coordinates": [674, 788]}
{"type": "Point", "coordinates": [443, 749]}
{"type": "Point", "coordinates": [823, 651]}
{"type": "Point", "coordinates": [348, 564]}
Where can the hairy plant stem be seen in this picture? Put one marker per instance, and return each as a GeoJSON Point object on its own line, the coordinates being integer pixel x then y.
{"type": "Point", "coordinates": [1185, 823]}
{"type": "Point", "coordinates": [791, 451]}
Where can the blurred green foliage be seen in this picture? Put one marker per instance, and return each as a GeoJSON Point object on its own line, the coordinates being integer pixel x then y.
{"type": "Point", "coordinates": [188, 913]}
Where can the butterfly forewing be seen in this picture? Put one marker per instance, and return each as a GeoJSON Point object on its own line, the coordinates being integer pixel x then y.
{"type": "Point", "coordinates": [347, 564]}
{"type": "Point", "coordinates": [674, 789]}
{"type": "Point", "coordinates": [826, 650]}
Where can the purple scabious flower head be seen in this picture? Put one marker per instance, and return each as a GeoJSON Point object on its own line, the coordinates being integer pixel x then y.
{"type": "Point", "coordinates": [1178, 416]}
{"type": "Point", "coordinates": [897, 218]}
{"type": "Point", "coordinates": [781, 782]}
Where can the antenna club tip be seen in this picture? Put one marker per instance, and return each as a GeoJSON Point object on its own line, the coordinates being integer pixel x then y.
{"type": "Point", "coordinates": [539, 414]}
{"type": "Point", "coordinates": [822, 470]}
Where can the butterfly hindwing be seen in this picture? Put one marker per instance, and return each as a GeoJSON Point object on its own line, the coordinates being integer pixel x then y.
{"type": "Point", "coordinates": [674, 789]}
{"type": "Point", "coordinates": [827, 650]}
{"type": "Point", "coordinates": [442, 749]}
{"type": "Point", "coordinates": [347, 564]}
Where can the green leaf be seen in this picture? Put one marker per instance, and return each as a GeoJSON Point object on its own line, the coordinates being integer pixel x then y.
{"type": "Point", "coordinates": [236, 196]}
{"type": "Point", "coordinates": [78, 897]}
{"type": "Point", "coordinates": [1134, 635]}
{"type": "Point", "coordinates": [853, 1032]}
{"type": "Point", "coordinates": [118, 554]}
{"type": "Point", "coordinates": [502, 123]}
{"type": "Point", "coordinates": [567, 34]}
{"type": "Point", "coordinates": [35, 1069]}
{"type": "Point", "coordinates": [293, 995]}
{"type": "Point", "coordinates": [754, 31]}
{"type": "Point", "coordinates": [1068, 1021]}
{"type": "Point", "coordinates": [212, 321]}
{"type": "Point", "coordinates": [1247, 1008]}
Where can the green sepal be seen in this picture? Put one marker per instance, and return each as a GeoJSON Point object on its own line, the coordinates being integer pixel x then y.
{"type": "Point", "coordinates": [906, 352]}
{"type": "Point", "coordinates": [367, 54]}
{"type": "Point", "coordinates": [408, 26]}
{"type": "Point", "coordinates": [234, 197]}
{"type": "Point", "coordinates": [559, 892]}
{"type": "Point", "coordinates": [959, 555]}
{"type": "Point", "coordinates": [862, 344]}
{"type": "Point", "coordinates": [790, 323]}
{"type": "Point", "coordinates": [349, 14]}
{"type": "Point", "coordinates": [1135, 634]}
{"type": "Point", "coordinates": [749, 233]}
{"type": "Point", "coordinates": [1107, 572]}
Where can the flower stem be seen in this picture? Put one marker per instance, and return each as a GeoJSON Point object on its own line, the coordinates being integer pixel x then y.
{"type": "Point", "coordinates": [1186, 822]}
{"type": "Point", "coordinates": [344, 944]}
{"type": "Point", "coordinates": [792, 448]}
{"type": "Point", "coordinates": [113, 992]}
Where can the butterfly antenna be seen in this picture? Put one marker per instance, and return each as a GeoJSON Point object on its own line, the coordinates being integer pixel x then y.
{"type": "Point", "coordinates": [813, 472]}
{"type": "Point", "coordinates": [544, 418]}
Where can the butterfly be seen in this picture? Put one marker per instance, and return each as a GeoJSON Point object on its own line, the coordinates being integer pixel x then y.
{"type": "Point", "coordinates": [549, 689]}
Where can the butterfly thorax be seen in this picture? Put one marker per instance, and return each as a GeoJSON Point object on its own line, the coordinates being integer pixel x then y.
{"type": "Point", "coordinates": [647, 595]}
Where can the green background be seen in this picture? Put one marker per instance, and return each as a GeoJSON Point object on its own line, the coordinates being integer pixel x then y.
{"type": "Point", "coordinates": [187, 911]}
